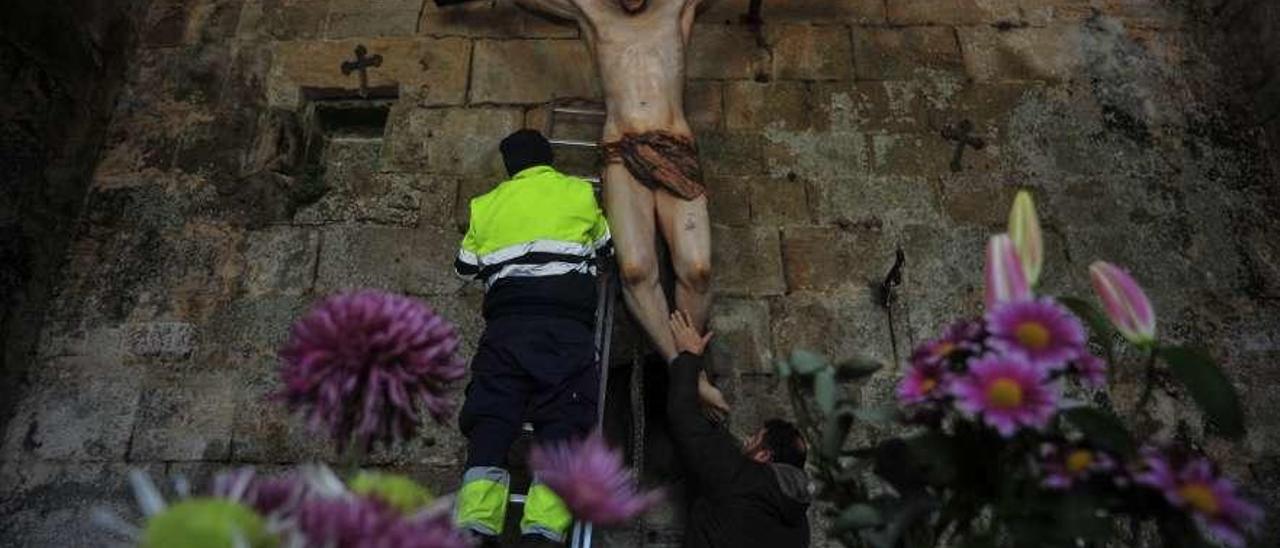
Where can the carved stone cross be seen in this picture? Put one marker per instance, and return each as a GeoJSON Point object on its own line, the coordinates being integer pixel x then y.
{"type": "Point", "coordinates": [960, 134]}
{"type": "Point", "coordinates": [362, 64]}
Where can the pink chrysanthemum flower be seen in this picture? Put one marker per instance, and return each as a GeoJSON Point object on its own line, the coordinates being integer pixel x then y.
{"type": "Point", "coordinates": [924, 382]}
{"type": "Point", "coordinates": [1091, 370]}
{"type": "Point", "coordinates": [1196, 487]}
{"type": "Point", "coordinates": [591, 480]}
{"type": "Point", "coordinates": [1063, 466]}
{"type": "Point", "coordinates": [359, 522]}
{"type": "Point", "coordinates": [1007, 393]}
{"type": "Point", "coordinates": [959, 340]}
{"type": "Point", "coordinates": [1039, 331]}
{"type": "Point", "coordinates": [362, 364]}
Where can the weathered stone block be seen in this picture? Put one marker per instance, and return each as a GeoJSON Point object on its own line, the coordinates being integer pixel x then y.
{"type": "Point", "coordinates": [542, 68]}
{"type": "Point", "coordinates": [704, 105]}
{"type": "Point", "coordinates": [168, 340]}
{"type": "Point", "coordinates": [867, 106]}
{"type": "Point", "coordinates": [888, 201]}
{"type": "Point", "coordinates": [746, 261]}
{"type": "Point", "coordinates": [979, 199]}
{"type": "Point", "coordinates": [752, 105]}
{"type": "Point", "coordinates": [811, 53]}
{"type": "Point", "coordinates": [412, 261]}
{"type": "Point", "coordinates": [52, 503]}
{"type": "Point", "coordinates": [826, 258]}
{"type": "Point", "coordinates": [348, 18]}
{"type": "Point", "coordinates": [924, 154]}
{"type": "Point", "coordinates": [936, 12]}
{"type": "Point", "coordinates": [756, 399]}
{"type": "Point", "coordinates": [276, 20]}
{"type": "Point", "coordinates": [720, 52]}
{"type": "Point", "coordinates": [468, 189]}
{"type": "Point", "coordinates": [906, 53]}
{"type": "Point", "coordinates": [942, 278]}
{"type": "Point", "coordinates": [354, 190]}
{"type": "Point", "coordinates": [1052, 53]}
{"type": "Point", "coordinates": [728, 200]}
{"type": "Point", "coordinates": [838, 324]}
{"type": "Point", "coordinates": [78, 408]}
{"type": "Point", "coordinates": [281, 260]}
{"type": "Point", "coordinates": [432, 70]}
{"type": "Point", "coordinates": [742, 341]}
{"type": "Point", "coordinates": [246, 334]}
{"type": "Point", "coordinates": [264, 431]}
{"type": "Point", "coordinates": [450, 140]}
{"type": "Point", "coordinates": [185, 417]}
{"type": "Point", "coordinates": [730, 12]}
{"type": "Point", "coordinates": [731, 152]}
{"type": "Point", "coordinates": [491, 19]}
{"type": "Point", "coordinates": [174, 22]}
{"type": "Point", "coordinates": [779, 200]}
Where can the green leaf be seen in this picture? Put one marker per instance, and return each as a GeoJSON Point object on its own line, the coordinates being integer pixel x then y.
{"type": "Point", "coordinates": [804, 362]}
{"type": "Point", "coordinates": [857, 516]}
{"type": "Point", "coordinates": [824, 390]}
{"type": "Point", "coordinates": [858, 367]}
{"type": "Point", "coordinates": [834, 431]}
{"type": "Point", "coordinates": [1098, 323]}
{"type": "Point", "coordinates": [783, 367]}
{"type": "Point", "coordinates": [1209, 387]}
{"type": "Point", "coordinates": [1102, 428]}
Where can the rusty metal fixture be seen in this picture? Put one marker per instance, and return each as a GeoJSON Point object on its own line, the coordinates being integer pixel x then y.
{"type": "Point", "coordinates": [362, 64]}
{"type": "Point", "coordinates": [960, 134]}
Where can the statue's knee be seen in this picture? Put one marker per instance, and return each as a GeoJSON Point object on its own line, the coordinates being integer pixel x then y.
{"type": "Point", "coordinates": [635, 273]}
{"type": "Point", "coordinates": [696, 275]}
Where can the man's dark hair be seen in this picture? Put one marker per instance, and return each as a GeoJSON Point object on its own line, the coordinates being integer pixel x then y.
{"type": "Point", "coordinates": [524, 149]}
{"type": "Point", "coordinates": [785, 442]}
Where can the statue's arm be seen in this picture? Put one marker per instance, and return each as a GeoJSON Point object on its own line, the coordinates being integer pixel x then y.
{"type": "Point", "coordinates": [562, 9]}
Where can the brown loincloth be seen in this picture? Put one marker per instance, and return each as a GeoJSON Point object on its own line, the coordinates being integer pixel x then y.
{"type": "Point", "coordinates": [660, 159]}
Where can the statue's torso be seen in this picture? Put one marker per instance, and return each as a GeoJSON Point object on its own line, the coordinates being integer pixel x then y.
{"type": "Point", "coordinates": [640, 59]}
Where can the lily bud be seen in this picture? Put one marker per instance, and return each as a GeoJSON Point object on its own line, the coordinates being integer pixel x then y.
{"type": "Point", "coordinates": [1024, 229]}
{"type": "Point", "coordinates": [1006, 280]}
{"type": "Point", "coordinates": [1124, 302]}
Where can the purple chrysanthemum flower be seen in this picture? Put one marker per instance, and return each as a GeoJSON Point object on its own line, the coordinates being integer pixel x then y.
{"type": "Point", "coordinates": [959, 340]}
{"type": "Point", "coordinates": [1007, 393]}
{"type": "Point", "coordinates": [1063, 466]}
{"type": "Point", "coordinates": [361, 364]}
{"type": "Point", "coordinates": [1091, 370]}
{"type": "Point", "coordinates": [925, 381]}
{"type": "Point", "coordinates": [1196, 487]}
{"type": "Point", "coordinates": [591, 480]}
{"type": "Point", "coordinates": [1039, 331]}
{"type": "Point", "coordinates": [359, 522]}
{"type": "Point", "coordinates": [269, 496]}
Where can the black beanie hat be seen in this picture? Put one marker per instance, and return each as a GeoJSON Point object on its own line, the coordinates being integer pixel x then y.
{"type": "Point", "coordinates": [524, 149]}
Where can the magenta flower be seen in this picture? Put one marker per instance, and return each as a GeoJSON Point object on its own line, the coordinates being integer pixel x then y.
{"type": "Point", "coordinates": [591, 480]}
{"type": "Point", "coordinates": [1007, 393]}
{"type": "Point", "coordinates": [924, 382]}
{"type": "Point", "coordinates": [1196, 487]}
{"type": "Point", "coordinates": [1091, 370]}
{"type": "Point", "coordinates": [361, 365]}
{"type": "Point", "coordinates": [1039, 331]}
{"type": "Point", "coordinates": [269, 496]}
{"type": "Point", "coordinates": [1124, 302]}
{"type": "Point", "coordinates": [358, 522]}
{"type": "Point", "coordinates": [1006, 278]}
{"type": "Point", "coordinates": [1063, 466]}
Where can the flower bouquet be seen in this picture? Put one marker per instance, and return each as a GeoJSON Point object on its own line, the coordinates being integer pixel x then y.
{"type": "Point", "coordinates": [998, 444]}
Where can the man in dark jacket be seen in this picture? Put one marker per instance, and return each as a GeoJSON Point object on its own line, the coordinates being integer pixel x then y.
{"type": "Point", "coordinates": [750, 494]}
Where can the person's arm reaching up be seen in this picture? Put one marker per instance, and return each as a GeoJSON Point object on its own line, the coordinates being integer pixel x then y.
{"type": "Point", "coordinates": [712, 455]}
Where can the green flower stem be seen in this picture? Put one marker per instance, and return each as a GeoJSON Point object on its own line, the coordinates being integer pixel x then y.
{"type": "Point", "coordinates": [1149, 383]}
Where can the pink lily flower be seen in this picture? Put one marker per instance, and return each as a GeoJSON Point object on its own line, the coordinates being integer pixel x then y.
{"type": "Point", "coordinates": [1006, 279]}
{"type": "Point", "coordinates": [1124, 302]}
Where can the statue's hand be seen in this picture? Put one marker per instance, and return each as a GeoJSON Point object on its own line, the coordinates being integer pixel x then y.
{"type": "Point", "coordinates": [714, 406]}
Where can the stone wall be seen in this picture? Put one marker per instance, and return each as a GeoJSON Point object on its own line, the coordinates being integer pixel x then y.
{"type": "Point", "coordinates": [242, 178]}
{"type": "Point", "coordinates": [61, 65]}
{"type": "Point", "coordinates": [1251, 29]}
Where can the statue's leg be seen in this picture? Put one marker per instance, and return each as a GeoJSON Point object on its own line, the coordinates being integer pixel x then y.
{"type": "Point", "coordinates": [687, 228]}
{"type": "Point", "coordinates": [630, 210]}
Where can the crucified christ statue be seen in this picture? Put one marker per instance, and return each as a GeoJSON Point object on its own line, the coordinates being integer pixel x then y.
{"type": "Point", "coordinates": [652, 177]}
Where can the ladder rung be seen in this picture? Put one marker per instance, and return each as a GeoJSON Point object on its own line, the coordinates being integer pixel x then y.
{"type": "Point", "coordinates": [579, 111]}
{"type": "Point", "coordinates": [574, 143]}
{"type": "Point", "coordinates": [516, 498]}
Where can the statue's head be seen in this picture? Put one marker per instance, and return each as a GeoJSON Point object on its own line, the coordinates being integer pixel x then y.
{"type": "Point", "coordinates": [633, 6]}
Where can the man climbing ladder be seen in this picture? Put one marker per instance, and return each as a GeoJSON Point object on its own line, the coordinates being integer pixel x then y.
{"type": "Point", "coordinates": [534, 241]}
